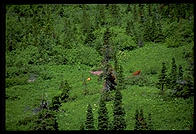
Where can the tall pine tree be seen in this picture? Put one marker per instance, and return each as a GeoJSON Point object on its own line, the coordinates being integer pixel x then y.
{"type": "Point", "coordinates": [162, 78]}
{"type": "Point", "coordinates": [119, 122]}
{"type": "Point", "coordinates": [120, 78]}
{"type": "Point", "coordinates": [140, 123]}
{"type": "Point", "coordinates": [103, 118]}
{"type": "Point", "coordinates": [89, 119]}
{"type": "Point", "coordinates": [173, 75]}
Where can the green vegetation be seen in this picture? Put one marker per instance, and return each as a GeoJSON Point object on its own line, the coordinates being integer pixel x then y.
{"type": "Point", "coordinates": [89, 119]}
{"type": "Point", "coordinates": [51, 49]}
{"type": "Point", "coordinates": [140, 123]}
{"type": "Point", "coordinates": [119, 122]}
{"type": "Point", "coordinates": [103, 119]}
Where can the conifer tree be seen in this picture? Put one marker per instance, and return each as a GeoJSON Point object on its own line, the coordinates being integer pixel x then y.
{"type": "Point", "coordinates": [120, 78]}
{"type": "Point", "coordinates": [55, 103]}
{"type": "Point", "coordinates": [65, 91]}
{"type": "Point", "coordinates": [115, 14]}
{"type": "Point", "coordinates": [140, 123]}
{"type": "Point", "coordinates": [119, 122]}
{"type": "Point", "coordinates": [128, 9]}
{"type": "Point", "coordinates": [162, 78]}
{"type": "Point", "coordinates": [89, 119]}
{"type": "Point", "coordinates": [180, 82]}
{"type": "Point", "coordinates": [173, 75]}
{"type": "Point", "coordinates": [150, 125]}
{"type": "Point", "coordinates": [82, 126]}
{"type": "Point", "coordinates": [137, 124]}
{"type": "Point", "coordinates": [103, 118]}
{"type": "Point", "coordinates": [86, 20]}
{"type": "Point", "coordinates": [190, 77]}
{"type": "Point", "coordinates": [46, 120]}
{"type": "Point", "coordinates": [142, 120]}
{"type": "Point", "coordinates": [130, 28]}
{"type": "Point", "coordinates": [107, 68]}
{"type": "Point", "coordinates": [101, 15]}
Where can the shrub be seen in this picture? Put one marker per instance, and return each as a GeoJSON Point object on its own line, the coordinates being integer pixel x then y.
{"type": "Point", "coordinates": [140, 80]}
{"type": "Point", "coordinates": [16, 81]}
{"type": "Point", "coordinates": [29, 55]}
{"type": "Point", "coordinates": [65, 91]}
{"type": "Point", "coordinates": [46, 120]}
{"type": "Point", "coordinates": [122, 40]}
{"type": "Point", "coordinates": [84, 55]}
{"type": "Point", "coordinates": [25, 121]}
{"type": "Point", "coordinates": [46, 75]}
{"type": "Point", "coordinates": [58, 55]}
{"type": "Point", "coordinates": [152, 71]}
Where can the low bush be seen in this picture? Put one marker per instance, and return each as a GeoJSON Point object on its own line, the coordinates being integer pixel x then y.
{"type": "Point", "coordinates": [84, 55]}
{"type": "Point", "coordinates": [140, 80]}
{"type": "Point", "coordinates": [15, 81]}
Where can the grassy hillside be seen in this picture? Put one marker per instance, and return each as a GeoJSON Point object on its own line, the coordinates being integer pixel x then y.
{"type": "Point", "coordinates": [168, 113]}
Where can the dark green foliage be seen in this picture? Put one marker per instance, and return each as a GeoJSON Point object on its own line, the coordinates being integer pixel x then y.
{"type": "Point", "coordinates": [137, 124]}
{"type": "Point", "coordinates": [39, 34]}
{"type": "Point", "coordinates": [107, 96]}
{"type": "Point", "coordinates": [128, 9]}
{"type": "Point", "coordinates": [172, 76]}
{"type": "Point", "coordinates": [82, 126]}
{"type": "Point", "coordinates": [103, 118]}
{"type": "Point", "coordinates": [86, 21]}
{"type": "Point", "coordinates": [55, 103]}
{"type": "Point", "coordinates": [11, 97]}
{"type": "Point", "coordinates": [188, 79]}
{"type": "Point", "coordinates": [108, 71]}
{"type": "Point", "coordinates": [65, 91]}
{"type": "Point", "coordinates": [100, 15]}
{"type": "Point", "coordinates": [16, 81]}
{"type": "Point", "coordinates": [180, 83]}
{"type": "Point", "coordinates": [140, 80]}
{"type": "Point", "coordinates": [83, 55]}
{"type": "Point", "coordinates": [114, 10]}
{"type": "Point", "coordinates": [189, 88]}
{"type": "Point", "coordinates": [89, 119]}
{"type": "Point", "coordinates": [90, 37]}
{"type": "Point", "coordinates": [162, 78]}
{"type": "Point", "coordinates": [106, 50]}
{"type": "Point", "coordinates": [46, 120]}
{"type": "Point", "coordinates": [130, 28]}
{"type": "Point", "coordinates": [119, 122]}
{"type": "Point", "coordinates": [140, 123]}
{"type": "Point", "coordinates": [109, 80]}
{"type": "Point", "coordinates": [120, 78]}
{"type": "Point", "coordinates": [85, 88]}
{"type": "Point", "coordinates": [150, 125]}
{"type": "Point", "coordinates": [180, 73]}
{"type": "Point", "coordinates": [26, 120]}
